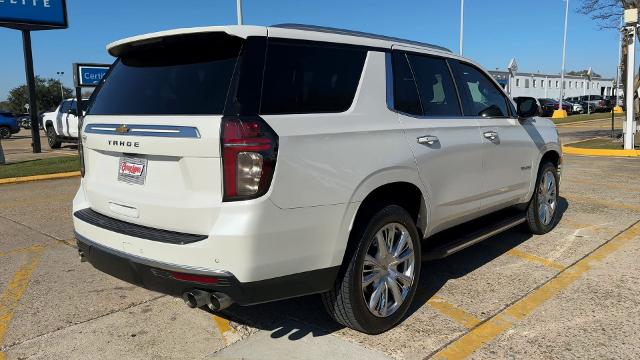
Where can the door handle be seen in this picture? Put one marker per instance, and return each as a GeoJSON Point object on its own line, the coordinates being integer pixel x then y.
{"type": "Point", "coordinates": [428, 139]}
{"type": "Point", "coordinates": [491, 135]}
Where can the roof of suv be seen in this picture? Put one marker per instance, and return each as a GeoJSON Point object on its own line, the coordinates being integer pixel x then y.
{"type": "Point", "coordinates": [293, 31]}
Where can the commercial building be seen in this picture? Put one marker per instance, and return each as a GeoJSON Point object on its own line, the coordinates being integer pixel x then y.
{"type": "Point", "coordinates": [540, 85]}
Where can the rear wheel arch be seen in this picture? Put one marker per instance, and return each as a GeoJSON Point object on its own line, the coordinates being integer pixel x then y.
{"type": "Point", "coordinates": [404, 194]}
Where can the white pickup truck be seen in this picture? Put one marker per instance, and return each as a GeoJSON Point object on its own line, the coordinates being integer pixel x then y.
{"type": "Point", "coordinates": [61, 125]}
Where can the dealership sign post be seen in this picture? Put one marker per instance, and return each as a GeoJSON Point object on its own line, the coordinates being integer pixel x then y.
{"type": "Point", "coordinates": [26, 16]}
{"type": "Point", "coordinates": [86, 75]}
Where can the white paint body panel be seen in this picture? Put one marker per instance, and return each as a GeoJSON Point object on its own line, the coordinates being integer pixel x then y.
{"type": "Point", "coordinates": [327, 164]}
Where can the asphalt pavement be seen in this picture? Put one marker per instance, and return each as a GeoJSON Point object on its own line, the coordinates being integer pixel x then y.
{"type": "Point", "coordinates": [572, 293]}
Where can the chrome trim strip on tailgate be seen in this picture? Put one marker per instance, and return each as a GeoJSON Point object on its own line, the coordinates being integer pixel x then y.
{"type": "Point", "coordinates": [144, 130]}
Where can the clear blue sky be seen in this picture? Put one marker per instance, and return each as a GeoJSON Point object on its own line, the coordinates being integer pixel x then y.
{"type": "Point", "coordinates": [495, 30]}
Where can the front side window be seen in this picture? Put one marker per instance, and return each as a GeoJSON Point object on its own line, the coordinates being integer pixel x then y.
{"type": "Point", "coordinates": [435, 86]}
{"type": "Point", "coordinates": [310, 78]}
{"type": "Point", "coordinates": [480, 96]}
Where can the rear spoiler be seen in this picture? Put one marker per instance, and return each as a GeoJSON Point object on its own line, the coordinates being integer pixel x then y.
{"type": "Point", "coordinates": [119, 47]}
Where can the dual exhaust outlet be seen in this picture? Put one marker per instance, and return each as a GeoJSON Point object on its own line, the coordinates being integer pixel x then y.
{"type": "Point", "coordinates": [215, 301]}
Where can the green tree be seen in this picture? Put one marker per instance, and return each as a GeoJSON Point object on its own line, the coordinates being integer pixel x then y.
{"type": "Point", "coordinates": [48, 95]}
{"type": "Point", "coordinates": [584, 73]}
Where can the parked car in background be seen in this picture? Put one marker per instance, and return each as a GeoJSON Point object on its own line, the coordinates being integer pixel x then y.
{"type": "Point", "coordinates": [247, 164]}
{"type": "Point", "coordinates": [547, 106]}
{"type": "Point", "coordinates": [611, 101]}
{"type": "Point", "coordinates": [576, 108]}
{"type": "Point", "coordinates": [61, 125]}
{"type": "Point", "coordinates": [596, 103]}
{"type": "Point", "coordinates": [565, 106]}
{"type": "Point", "coordinates": [8, 124]}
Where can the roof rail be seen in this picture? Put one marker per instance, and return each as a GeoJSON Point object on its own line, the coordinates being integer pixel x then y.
{"type": "Point", "coordinates": [331, 30]}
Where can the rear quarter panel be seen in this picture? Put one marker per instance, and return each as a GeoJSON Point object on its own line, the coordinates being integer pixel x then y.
{"type": "Point", "coordinates": [327, 159]}
{"type": "Point", "coordinates": [544, 134]}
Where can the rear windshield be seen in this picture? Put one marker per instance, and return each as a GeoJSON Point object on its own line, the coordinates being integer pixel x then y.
{"type": "Point", "coordinates": [180, 75]}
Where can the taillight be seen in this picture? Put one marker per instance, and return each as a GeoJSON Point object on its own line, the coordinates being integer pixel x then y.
{"type": "Point", "coordinates": [249, 153]}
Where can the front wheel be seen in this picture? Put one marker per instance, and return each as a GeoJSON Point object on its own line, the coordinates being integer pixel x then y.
{"type": "Point", "coordinates": [542, 211]}
{"type": "Point", "coordinates": [379, 281]}
{"type": "Point", "coordinates": [5, 132]}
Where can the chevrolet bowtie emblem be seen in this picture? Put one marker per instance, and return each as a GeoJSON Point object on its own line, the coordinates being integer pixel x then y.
{"type": "Point", "coordinates": [122, 129]}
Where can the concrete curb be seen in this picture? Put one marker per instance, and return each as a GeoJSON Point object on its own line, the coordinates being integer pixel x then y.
{"type": "Point", "coordinates": [600, 152]}
{"type": "Point", "coordinates": [23, 179]}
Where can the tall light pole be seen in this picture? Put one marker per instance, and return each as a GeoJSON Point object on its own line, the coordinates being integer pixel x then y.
{"type": "Point", "coordinates": [239, 11]}
{"type": "Point", "coordinates": [617, 109]}
{"type": "Point", "coordinates": [60, 73]}
{"type": "Point", "coordinates": [631, 24]}
{"type": "Point", "coordinates": [560, 112]}
{"type": "Point", "coordinates": [461, 26]}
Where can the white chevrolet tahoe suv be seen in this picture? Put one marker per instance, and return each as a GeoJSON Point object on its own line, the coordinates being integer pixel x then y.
{"type": "Point", "coordinates": [61, 125]}
{"type": "Point", "coordinates": [246, 164]}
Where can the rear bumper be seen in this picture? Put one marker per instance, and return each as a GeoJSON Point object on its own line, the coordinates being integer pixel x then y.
{"type": "Point", "coordinates": [157, 276]}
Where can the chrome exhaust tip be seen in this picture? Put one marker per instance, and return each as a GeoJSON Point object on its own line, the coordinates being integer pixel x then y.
{"type": "Point", "coordinates": [196, 298]}
{"type": "Point", "coordinates": [219, 301]}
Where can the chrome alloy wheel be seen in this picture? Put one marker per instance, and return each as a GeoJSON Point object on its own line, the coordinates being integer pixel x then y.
{"type": "Point", "coordinates": [547, 198]}
{"type": "Point", "coordinates": [389, 270]}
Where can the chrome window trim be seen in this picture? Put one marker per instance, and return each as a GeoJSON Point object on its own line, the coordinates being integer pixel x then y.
{"type": "Point", "coordinates": [145, 130]}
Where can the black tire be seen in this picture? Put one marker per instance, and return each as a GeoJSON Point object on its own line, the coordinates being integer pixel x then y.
{"type": "Point", "coordinates": [52, 138]}
{"type": "Point", "coordinates": [346, 303]}
{"type": "Point", "coordinates": [5, 132]}
{"type": "Point", "coordinates": [535, 221]}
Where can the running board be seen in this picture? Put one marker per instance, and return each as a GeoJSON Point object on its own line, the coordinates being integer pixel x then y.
{"type": "Point", "coordinates": [464, 241]}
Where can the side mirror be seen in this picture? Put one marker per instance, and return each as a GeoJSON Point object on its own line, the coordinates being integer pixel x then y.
{"type": "Point", "coordinates": [526, 107]}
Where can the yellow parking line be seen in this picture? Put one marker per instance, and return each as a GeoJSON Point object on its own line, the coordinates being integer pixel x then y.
{"type": "Point", "coordinates": [224, 328]}
{"type": "Point", "coordinates": [535, 259]}
{"type": "Point", "coordinates": [605, 203]}
{"type": "Point", "coordinates": [600, 152]}
{"type": "Point", "coordinates": [10, 297]}
{"type": "Point", "coordinates": [490, 329]}
{"type": "Point", "coordinates": [17, 180]}
{"type": "Point", "coordinates": [460, 316]}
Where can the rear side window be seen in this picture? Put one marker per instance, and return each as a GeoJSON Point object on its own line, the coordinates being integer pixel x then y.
{"type": "Point", "coordinates": [179, 75]}
{"type": "Point", "coordinates": [435, 86]}
{"type": "Point", "coordinates": [480, 96]}
{"type": "Point", "coordinates": [310, 78]}
{"type": "Point", "coordinates": [405, 91]}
